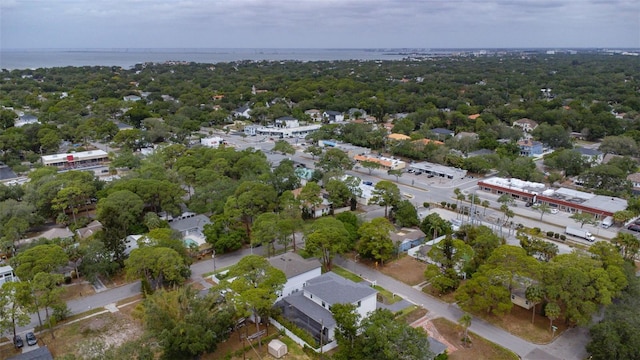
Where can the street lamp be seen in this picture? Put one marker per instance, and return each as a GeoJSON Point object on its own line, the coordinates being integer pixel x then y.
{"type": "Point", "coordinates": [213, 256]}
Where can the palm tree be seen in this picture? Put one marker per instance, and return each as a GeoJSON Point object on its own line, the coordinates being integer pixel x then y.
{"type": "Point", "coordinates": [534, 294]}
{"type": "Point", "coordinates": [485, 204]}
{"type": "Point", "coordinates": [465, 322]}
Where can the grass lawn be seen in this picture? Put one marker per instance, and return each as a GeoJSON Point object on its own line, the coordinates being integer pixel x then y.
{"type": "Point", "coordinates": [480, 349]}
{"type": "Point", "coordinates": [346, 274]}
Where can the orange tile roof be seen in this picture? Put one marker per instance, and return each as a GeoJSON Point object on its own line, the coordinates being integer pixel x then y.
{"type": "Point", "coordinates": [474, 116]}
{"type": "Point", "coordinates": [428, 141]}
{"type": "Point", "coordinates": [372, 159]}
{"type": "Point", "coordinates": [397, 136]}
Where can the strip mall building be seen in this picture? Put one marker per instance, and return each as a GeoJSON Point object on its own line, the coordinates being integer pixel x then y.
{"type": "Point", "coordinates": [563, 199]}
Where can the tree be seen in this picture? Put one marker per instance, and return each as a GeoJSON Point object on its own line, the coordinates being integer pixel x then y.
{"type": "Point", "coordinates": [485, 204]}
{"type": "Point", "coordinates": [187, 325]}
{"type": "Point", "coordinates": [386, 194]}
{"type": "Point", "coordinates": [552, 311]}
{"type": "Point", "coordinates": [616, 336]}
{"type": "Point", "coordinates": [347, 321]}
{"type": "Point", "coordinates": [256, 284]}
{"type": "Point", "coordinates": [628, 245]}
{"type": "Point", "coordinates": [96, 260]}
{"type": "Point", "coordinates": [314, 151]}
{"type": "Point", "coordinates": [284, 147]}
{"type": "Point", "coordinates": [326, 238]}
{"type": "Point", "coordinates": [542, 208]}
{"type": "Point", "coordinates": [534, 295]}
{"type": "Point", "coordinates": [384, 338]}
{"type": "Point", "coordinates": [434, 224]}
{"type": "Point", "coordinates": [335, 160]}
{"type": "Point", "coordinates": [465, 322]}
{"type": "Point", "coordinates": [339, 192]}
{"type": "Point", "coordinates": [118, 212]}
{"type": "Point", "coordinates": [13, 308]}
{"type": "Point", "coordinates": [397, 173]}
{"type": "Point", "coordinates": [406, 214]}
{"type": "Point", "coordinates": [485, 291]}
{"type": "Point", "coordinates": [310, 197]}
{"type": "Point", "coordinates": [159, 266]}
{"type": "Point", "coordinates": [47, 293]}
{"type": "Point", "coordinates": [265, 231]}
{"type": "Point", "coordinates": [375, 240]}
{"type": "Point", "coordinates": [370, 165]}
{"type": "Point", "coordinates": [249, 200]}
{"type": "Point", "coordinates": [583, 218]}
{"type": "Point", "coordinates": [39, 259]}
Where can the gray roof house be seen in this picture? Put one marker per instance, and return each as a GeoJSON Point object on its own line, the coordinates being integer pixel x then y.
{"type": "Point", "coordinates": [297, 269]}
{"type": "Point", "coordinates": [592, 155]}
{"type": "Point", "coordinates": [189, 223]}
{"type": "Point", "coordinates": [6, 173]}
{"type": "Point", "coordinates": [442, 133]}
{"type": "Point", "coordinates": [309, 308]}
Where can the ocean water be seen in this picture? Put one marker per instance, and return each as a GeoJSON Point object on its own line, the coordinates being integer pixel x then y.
{"type": "Point", "coordinates": [11, 59]}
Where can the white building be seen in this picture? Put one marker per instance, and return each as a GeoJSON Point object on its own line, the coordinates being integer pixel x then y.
{"type": "Point", "coordinates": [7, 274]}
{"type": "Point", "coordinates": [212, 142]}
{"type": "Point", "coordinates": [76, 160]}
{"type": "Point", "coordinates": [309, 308]}
{"type": "Point", "coordinates": [297, 269]}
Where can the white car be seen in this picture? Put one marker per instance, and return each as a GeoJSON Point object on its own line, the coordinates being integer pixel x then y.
{"type": "Point", "coordinates": [554, 211]}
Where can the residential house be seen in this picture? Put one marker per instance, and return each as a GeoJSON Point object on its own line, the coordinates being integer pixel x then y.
{"type": "Point", "coordinates": [593, 156]}
{"type": "Point", "coordinates": [309, 308]}
{"type": "Point", "coordinates": [304, 174]}
{"type": "Point", "coordinates": [243, 111]}
{"type": "Point", "coordinates": [473, 117]}
{"type": "Point", "coordinates": [465, 134]}
{"type": "Point", "coordinates": [407, 238]}
{"type": "Point", "coordinates": [324, 208]}
{"type": "Point", "coordinates": [442, 133]}
{"type": "Point", "coordinates": [89, 230]}
{"type": "Point", "coordinates": [420, 144]}
{"type": "Point", "coordinates": [355, 113]}
{"type": "Point", "coordinates": [635, 182]}
{"type": "Point", "coordinates": [7, 274]}
{"type": "Point", "coordinates": [314, 114]}
{"type": "Point", "coordinates": [331, 116]}
{"type": "Point", "coordinates": [6, 173]}
{"type": "Point", "coordinates": [26, 120]}
{"type": "Point", "coordinates": [530, 147]}
{"type": "Point", "coordinates": [251, 130]}
{"type": "Point", "coordinates": [132, 242]}
{"type": "Point", "coordinates": [133, 98]}
{"type": "Point", "coordinates": [527, 125]}
{"type": "Point", "coordinates": [54, 233]}
{"type": "Point", "coordinates": [297, 269]}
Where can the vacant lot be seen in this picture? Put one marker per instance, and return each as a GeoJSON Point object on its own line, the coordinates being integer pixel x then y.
{"type": "Point", "coordinates": [406, 269]}
{"type": "Point", "coordinates": [480, 348]}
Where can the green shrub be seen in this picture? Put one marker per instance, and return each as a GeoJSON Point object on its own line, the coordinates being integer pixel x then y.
{"type": "Point", "coordinates": [453, 206]}
{"type": "Point", "coordinates": [549, 233]}
{"type": "Point", "coordinates": [556, 236]}
{"type": "Point", "coordinates": [562, 237]}
{"type": "Point", "coordinates": [443, 203]}
{"type": "Point", "coordinates": [426, 205]}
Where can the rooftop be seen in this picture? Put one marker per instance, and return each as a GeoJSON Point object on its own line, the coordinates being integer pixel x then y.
{"type": "Point", "coordinates": [334, 289]}
{"type": "Point", "coordinates": [293, 264]}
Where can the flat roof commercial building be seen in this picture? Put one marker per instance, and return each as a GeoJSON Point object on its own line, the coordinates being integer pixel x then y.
{"type": "Point", "coordinates": [569, 200]}
{"type": "Point", "coordinates": [76, 160]}
{"type": "Point", "coordinates": [439, 170]}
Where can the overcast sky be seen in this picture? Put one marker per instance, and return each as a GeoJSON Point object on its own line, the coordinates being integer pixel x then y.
{"type": "Point", "coordinates": [319, 23]}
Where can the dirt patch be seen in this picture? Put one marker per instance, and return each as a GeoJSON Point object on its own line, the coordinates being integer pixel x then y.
{"type": "Point", "coordinates": [406, 269]}
{"type": "Point", "coordinates": [76, 290]}
{"type": "Point", "coordinates": [518, 322]}
{"type": "Point", "coordinates": [480, 348]}
{"type": "Point", "coordinates": [91, 336]}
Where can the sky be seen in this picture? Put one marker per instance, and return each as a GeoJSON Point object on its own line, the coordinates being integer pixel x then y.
{"type": "Point", "coordinates": [92, 24]}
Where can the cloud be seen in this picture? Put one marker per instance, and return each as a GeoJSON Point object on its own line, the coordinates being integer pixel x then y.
{"type": "Point", "coordinates": [318, 23]}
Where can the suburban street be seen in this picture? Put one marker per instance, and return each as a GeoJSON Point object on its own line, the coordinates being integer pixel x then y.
{"type": "Point", "coordinates": [419, 189]}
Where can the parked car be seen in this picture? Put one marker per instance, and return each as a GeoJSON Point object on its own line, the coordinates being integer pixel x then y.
{"type": "Point", "coordinates": [529, 204]}
{"type": "Point", "coordinates": [368, 183]}
{"type": "Point", "coordinates": [31, 339]}
{"type": "Point", "coordinates": [17, 341]}
{"type": "Point", "coordinates": [554, 211]}
{"type": "Point", "coordinates": [634, 227]}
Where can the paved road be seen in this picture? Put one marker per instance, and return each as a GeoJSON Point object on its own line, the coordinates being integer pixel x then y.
{"type": "Point", "coordinates": [569, 346]}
